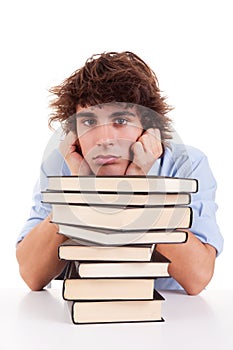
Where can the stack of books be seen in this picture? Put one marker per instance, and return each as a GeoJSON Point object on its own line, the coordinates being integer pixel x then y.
{"type": "Point", "coordinates": [113, 225]}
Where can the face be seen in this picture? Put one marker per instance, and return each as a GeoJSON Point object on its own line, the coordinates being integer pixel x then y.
{"type": "Point", "coordinates": [106, 134]}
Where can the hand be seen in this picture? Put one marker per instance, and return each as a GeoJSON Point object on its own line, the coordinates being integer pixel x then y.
{"type": "Point", "coordinates": [146, 150]}
{"type": "Point", "coordinates": [74, 160]}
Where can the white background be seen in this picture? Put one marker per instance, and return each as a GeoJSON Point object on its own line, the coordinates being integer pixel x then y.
{"type": "Point", "coordinates": [187, 43]}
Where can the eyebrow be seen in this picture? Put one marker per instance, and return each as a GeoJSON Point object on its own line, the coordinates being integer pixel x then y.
{"type": "Point", "coordinates": [122, 113]}
{"type": "Point", "coordinates": [85, 114]}
{"type": "Point", "coordinates": [113, 115]}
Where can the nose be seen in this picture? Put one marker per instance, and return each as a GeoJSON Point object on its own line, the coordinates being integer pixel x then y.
{"type": "Point", "coordinates": [105, 135]}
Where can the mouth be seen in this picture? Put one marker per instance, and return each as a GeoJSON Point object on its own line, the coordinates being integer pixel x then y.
{"type": "Point", "coordinates": [105, 159]}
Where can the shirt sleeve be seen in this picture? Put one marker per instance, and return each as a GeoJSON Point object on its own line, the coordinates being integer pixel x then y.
{"type": "Point", "coordinates": [189, 162]}
{"type": "Point", "coordinates": [204, 207]}
{"type": "Point", "coordinates": [53, 165]}
{"type": "Point", "coordinates": [39, 211]}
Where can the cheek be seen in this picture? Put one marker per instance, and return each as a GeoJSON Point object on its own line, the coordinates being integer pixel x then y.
{"type": "Point", "coordinates": [134, 133]}
{"type": "Point", "coordinates": [86, 145]}
{"type": "Point", "coordinates": [86, 141]}
{"type": "Point", "coordinates": [131, 136]}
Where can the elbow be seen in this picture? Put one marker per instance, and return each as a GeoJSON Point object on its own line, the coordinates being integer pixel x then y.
{"type": "Point", "coordinates": [194, 290]}
{"type": "Point", "coordinates": [201, 274]}
{"type": "Point", "coordinates": [198, 282]}
{"type": "Point", "coordinates": [32, 282]}
{"type": "Point", "coordinates": [29, 276]}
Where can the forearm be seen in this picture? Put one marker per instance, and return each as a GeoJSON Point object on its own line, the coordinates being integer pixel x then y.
{"type": "Point", "coordinates": [192, 263]}
{"type": "Point", "coordinates": [37, 255]}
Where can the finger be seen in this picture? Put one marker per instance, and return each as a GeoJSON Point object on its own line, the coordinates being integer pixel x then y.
{"type": "Point", "coordinates": [150, 131]}
{"type": "Point", "coordinates": [150, 138]}
{"type": "Point", "coordinates": [145, 141]}
{"type": "Point", "coordinates": [68, 143]}
{"type": "Point", "coordinates": [157, 147]}
{"type": "Point", "coordinates": [138, 151]}
{"type": "Point", "coordinates": [154, 133]}
{"type": "Point", "coordinates": [137, 147]}
{"type": "Point", "coordinates": [71, 138]}
{"type": "Point", "coordinates": [151, 141]}
{"type": "Point", "coordinates": [157, 134]}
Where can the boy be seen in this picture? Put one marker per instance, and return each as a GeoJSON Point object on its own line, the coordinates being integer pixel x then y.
{"type": "Point", "coordinates": [116, 123]}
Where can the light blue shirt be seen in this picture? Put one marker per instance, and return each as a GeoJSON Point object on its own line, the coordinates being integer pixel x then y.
{"type": "Point", "coordinates": [177, 161]}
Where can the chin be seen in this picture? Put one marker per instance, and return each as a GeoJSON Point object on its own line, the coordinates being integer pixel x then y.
{"type": "Point", "coordinates": [110, 170]}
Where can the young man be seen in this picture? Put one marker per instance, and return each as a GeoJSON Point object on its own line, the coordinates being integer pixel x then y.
{"type": "Point", "coordinates": [116, 123]}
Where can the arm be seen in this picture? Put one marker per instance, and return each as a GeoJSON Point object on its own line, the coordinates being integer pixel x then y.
{"type": "Point", "coordinates": [192, 263]}
{"type": "Point", "coordinates": [37, 255]}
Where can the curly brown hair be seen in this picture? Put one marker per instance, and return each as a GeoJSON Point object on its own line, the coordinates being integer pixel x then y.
{"type": "Point", "coordinates": [113, 77]}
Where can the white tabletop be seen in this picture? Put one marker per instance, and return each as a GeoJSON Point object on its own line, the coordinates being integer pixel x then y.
{"type": "Point", "coordinates": [41, 320]}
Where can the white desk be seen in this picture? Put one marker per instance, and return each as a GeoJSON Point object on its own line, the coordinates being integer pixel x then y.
{"type": "Point", "coordinates": [41, 321]}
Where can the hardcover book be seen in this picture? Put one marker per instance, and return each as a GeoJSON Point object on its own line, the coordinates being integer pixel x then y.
{"type": "Point", "coordinates": [117, 237]}
{"type": "Point", "coordinates": [115, 199]}
{"type": "Point", "coordinates": [126, 219]}
{"type": "Point", "coordinates": [122, 184]}
{"type": "Point", "coordinates": [107, 311]}
{"type": "Point", "coordinates": [156, 267]}
{"type": "Point", "coordinates": [76, 288]}
{"type": "Point", "coordinates": [76, 250]}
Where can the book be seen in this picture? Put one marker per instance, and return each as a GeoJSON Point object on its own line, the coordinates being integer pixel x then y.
{"type": "Point", "coordinates": [75, 250]}
{"type": "Point", "coordinates": [76, 288]}
{"type": "Point", "coordinates": [117, 237]}
{"type": "Point", "coordinates": [123, 184]}
{"type": "Point", "coordinates": [129, 218]}
{"type": "Point", "coordinates": [116, 199]}
{"type": "Point", "coordinates": [156, 267]}
{"type": "Point", "coordinates": [108, 311]}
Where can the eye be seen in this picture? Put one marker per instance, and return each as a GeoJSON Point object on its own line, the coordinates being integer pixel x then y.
{"type": "Point", "coordinates": [89, 122]}
{"type": "Point", "coordinates": [120, 121]}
